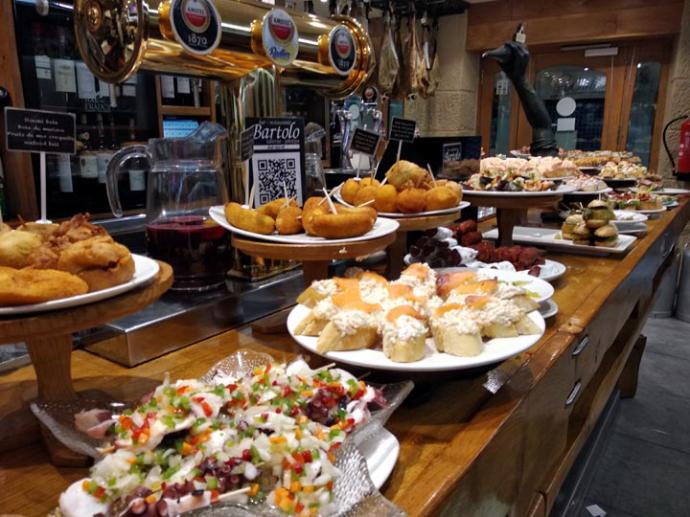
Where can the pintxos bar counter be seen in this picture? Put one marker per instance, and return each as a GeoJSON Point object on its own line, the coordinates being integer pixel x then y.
{"type": "Point", "coordinates": [487, 442]}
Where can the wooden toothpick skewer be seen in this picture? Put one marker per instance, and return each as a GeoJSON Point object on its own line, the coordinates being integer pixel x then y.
{"type": "Point", "coordinates": [428, 167]}
{"type": "Point", "coordinates": [367, 203]}
{"type": "Point", "coordinates": [251, 196]}
{"type": "Point", "coordinates": [330, 202]}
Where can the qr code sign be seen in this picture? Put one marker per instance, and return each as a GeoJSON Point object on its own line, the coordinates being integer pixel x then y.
{"type": "Point", "coordinates": [275, 173]}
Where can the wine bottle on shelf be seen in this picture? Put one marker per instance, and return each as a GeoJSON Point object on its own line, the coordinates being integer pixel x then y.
{"type": "Point", "coordinates": [43, 65]}
{"type": "Point", "coordinates": [196, 92]}
{"type": "Point", "coordinates": [184, 96]}
{"type": "Point", "coordinates": [64, 173]}
{"type": "Point", "coordinates": [86, 85]}
{"type": "Point", "coordinates": [137, 171]}
{"type": "Point", "coordinates": [167, 89]}
{"type": "Point", "coordinates": [128, 94]}
{"type": "Point", "coordinates": [64, 70]}
{"type": "Point", "coordinates": [88, 163]}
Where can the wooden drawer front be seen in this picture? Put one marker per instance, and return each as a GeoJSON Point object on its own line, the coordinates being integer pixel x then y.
{"type": "Point", "coordinates": [585, 354]}
{"type": "Point", "coordinates": [546, 425]}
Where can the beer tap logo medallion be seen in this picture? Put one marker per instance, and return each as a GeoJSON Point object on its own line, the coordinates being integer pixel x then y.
{"type": "Point", "coordinates": [341, 50]}
{"type": "Point", "coordinates": [280, 37]}
{"type": "Point", "coordinates": [196, 25]}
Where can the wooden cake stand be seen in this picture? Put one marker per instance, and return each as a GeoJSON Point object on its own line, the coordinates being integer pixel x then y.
{"type": "Point", "coordinates": [510, 211]}
{"type": "Point", "coordinates": [48, 338]}
{"type": "Point", "coordinates": [315, 257]}
{"type": "Point", "coordinates": [396, 253]}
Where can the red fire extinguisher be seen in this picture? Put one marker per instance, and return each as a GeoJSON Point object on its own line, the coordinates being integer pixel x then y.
{"type": "Point", "coordinates": [682, 168]}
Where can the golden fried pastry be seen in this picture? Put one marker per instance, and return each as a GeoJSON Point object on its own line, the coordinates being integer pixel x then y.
{"type": "Point", "coordinates": [26, 286]}
{"type": "Point", "coordinates": [439, 198]}
{"type": "Point", "coordinates": [348, 222]}
{"type": "Point", "coordinates": [289, 220]}
{"type": "Point", "coordinates": [4, 228]}
{"type": "Point", "coordinates": [99, 261]}
{"type": "Point", "coordinates": [404, 174]}
{"type": "Point", "coordinates": [454, 186]}
{"type": "Point", "coordinates": [17, 247]}
{"type": "Point", "coordinates": [313, 202]}
{"type": "Point", "coordinates": [370, 182]}
{"type": "Point", "coordinates": [249, 219]}
{"type": "Point", "coordinates": [411, 201]}
{"type": "Point", "coordinates": [272, 208]}
{"type": "Point", "coordinates": [76, 229]}
{"type": "Point", "coordinates": [349, 190]}
{"type": "Point", "coordinates": [386, 199]}
{"type": "Point", "coordinates": [44, 230]}
{"type": "Point", "coordinates": [365, 194]}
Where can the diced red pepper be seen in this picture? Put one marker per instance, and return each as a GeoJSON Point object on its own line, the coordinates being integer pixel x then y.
{"type": "Point", "coordinates": [231, 387]}
{"type": "Point", "coordinates": [208, 410]}
{"type": "Point", "coordinates": [247, 455]}
{"type": "Point", "coordinates": [307, 457]}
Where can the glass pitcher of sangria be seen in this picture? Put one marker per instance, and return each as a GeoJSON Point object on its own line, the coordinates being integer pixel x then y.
{"type": "Point", "coordinates": [185, 178]}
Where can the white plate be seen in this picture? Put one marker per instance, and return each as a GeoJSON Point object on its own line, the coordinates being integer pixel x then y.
{"type": "Point", "coordinates": [381, 227]}
{"type": "Point", "coordinates": [670, 191]}
{"type": "Point", "coordinates": [551, 270]}
{"type": "Point", "coordinates": [548, 309]}
{"type": "Point", "coordinates": [396, 215]}
{"type": "Point", "coordinates": [591, 192]}
{"type": "Point", "coordinates": [632, 229]}
{"type": "Point", "coordinates": [561, 189]}
{"type": "Point", "coordinates": [551, 238]}
{"type": "Point", "coordinates": [381, 452]}
{"type": "Point", "coordinates": [626, 217]}
{"type": "Point", "coordinates": [495, 350]}
{"type": "Point", "coordinates": [655, 210]}
{"type": "Point", "coordinates": [541, 289]}
{"type": "Point", "coordinates": [145, 269]}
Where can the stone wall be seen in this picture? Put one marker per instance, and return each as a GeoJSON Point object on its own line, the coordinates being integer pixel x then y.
{"type": "Point", "coordinates": [678, 96]}
{"type": "Point", "coordinates": [452, 111]}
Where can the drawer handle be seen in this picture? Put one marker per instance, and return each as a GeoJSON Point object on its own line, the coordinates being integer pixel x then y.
{"type": "Point", "coordinates": [573, 394]}
{"type": "Point", "coordinates": [581, 346]}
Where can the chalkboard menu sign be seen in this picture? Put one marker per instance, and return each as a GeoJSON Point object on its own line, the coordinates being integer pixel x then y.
{"type": "Point", "coordinates": [402, 129]}
{"type": "Point", "coordinates": [37, 131]}
{"type": "Point", "coordinates": [364, 141]}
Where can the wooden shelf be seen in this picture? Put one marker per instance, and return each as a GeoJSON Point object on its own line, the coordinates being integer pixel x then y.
{"type": "Point", "coordinates": [185, 111]}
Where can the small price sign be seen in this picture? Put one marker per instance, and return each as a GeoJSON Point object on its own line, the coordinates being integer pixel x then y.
{"type": "Point", "coordinates": [365, 141]}
{"type": "Point", "coordinates": [402, 130]}
{"type": "Point", "coordinates": [38, 131]}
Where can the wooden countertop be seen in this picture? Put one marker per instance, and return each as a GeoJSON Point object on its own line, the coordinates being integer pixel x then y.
{"type": "Point", "coordinates": [444, 429]}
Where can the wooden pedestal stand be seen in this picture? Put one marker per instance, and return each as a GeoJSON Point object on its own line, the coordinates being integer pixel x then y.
{"type": "Point", "coordinates": [396, 253]}
{"type": "Point", "coordinates": [510, 211]}
{"type": "Point", "coordinates": [48, 338]}
{"type": "Point", "coordinates": [315, 259]}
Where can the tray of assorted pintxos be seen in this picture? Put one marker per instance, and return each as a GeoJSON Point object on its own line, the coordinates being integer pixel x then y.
{"type": "Point", "coordinates": [462, 245]}
{"type": "Point", "coordinates": [515, 177]}
{"type": "Point", "coordinates": [643, 202]}
{"type": "Point", "coordinates": [407, 191]}
{"type": "Point", "coordinates": [603, 242]}
{"type": "Point", "coordinates": [49, 266]}
{"type": "Point", "coordinates": [319, 221]}
{"type": "Point", "coordinates": [264, 437]}
{"type": "Point", "coordinates": [421, 322]}
{"type": "Point", "coordinates": [587, 186]}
